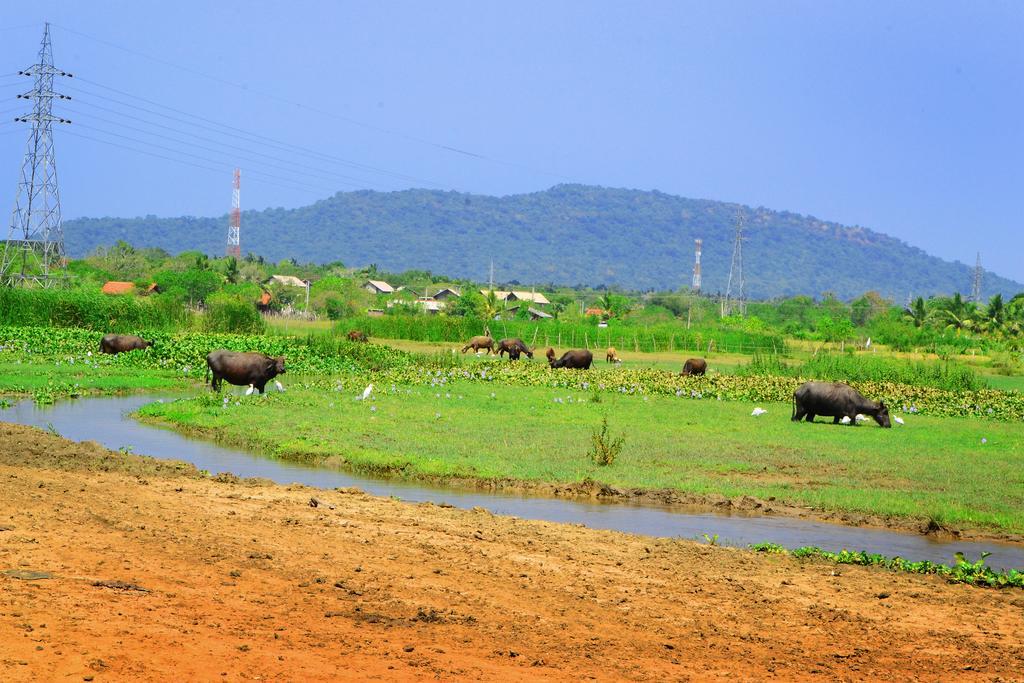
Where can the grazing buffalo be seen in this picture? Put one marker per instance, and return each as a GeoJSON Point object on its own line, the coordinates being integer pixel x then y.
{"type": "Point", "coordinates": [514, 347]}
{"type": "Point", "coordinates": [481, 342]}
{"type": "Point", "coordinates": [573, 358]}
{"type": "Point", "coordinates": [694, 366]}
{"type": "Point", "coordinates": [358, 336]}
{"type": "Point", "coordinates": [836, 400]}
{"type": "Point", "coordinates": [242, 369]}
{"type": "Point", "coordinates": [612, 356]}
{"type": "Point", "coordinates": [119, 343]}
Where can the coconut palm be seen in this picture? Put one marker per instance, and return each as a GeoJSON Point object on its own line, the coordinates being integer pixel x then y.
{"type": "Point", "coordinates": [491, 306]}
{"type": "Point", "coordinates": [917, 313]}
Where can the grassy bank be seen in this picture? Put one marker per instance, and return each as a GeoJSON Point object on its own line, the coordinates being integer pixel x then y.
{"type": "Point", "coordinates": [46, 382]}
{"type": "Point", "coordinates": [933, 468]}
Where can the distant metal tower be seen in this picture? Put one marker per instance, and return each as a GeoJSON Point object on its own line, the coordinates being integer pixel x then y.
{"type": "Point", "coordinates": [696, 267]}
{"type": "Point", "coordinates": [976, 282]}
{"type": "Point", "coordinates": [738, 303]}
{"type": "Point", "coordinates": [34, 251]}
{"type": "Point", "coordinates": [234, 247]}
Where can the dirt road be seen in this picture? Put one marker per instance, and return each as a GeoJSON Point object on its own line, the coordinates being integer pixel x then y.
{"type": "Point", "coordinates": [117, 568]}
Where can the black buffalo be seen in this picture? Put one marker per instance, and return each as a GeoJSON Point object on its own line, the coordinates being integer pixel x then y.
{"type": "Point", "coordinates": [573, 358]}
{"type": "Point", "coordinates": [242, 369]}
{"type": "Point", "coordinates": [514, 347]}
{"type": "Point", "coordinates": [694, 366]}
{"type": "Point", "coordinates": [119, 343]}
{"type": "Point", "coordinates": [836, 400]}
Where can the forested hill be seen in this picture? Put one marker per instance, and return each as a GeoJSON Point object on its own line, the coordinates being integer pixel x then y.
{"type": "Point", "coordinates": [570, 234]}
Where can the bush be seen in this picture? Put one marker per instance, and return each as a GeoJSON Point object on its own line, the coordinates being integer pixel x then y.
{"type": "Point", "coordinates": [946, 375]}
{"type": "Point", "coordinates": [226, 313]}
{"type": "Point", "coordinates": [88, 308]}
{"type": "Point", "coordinates": [605, 447]}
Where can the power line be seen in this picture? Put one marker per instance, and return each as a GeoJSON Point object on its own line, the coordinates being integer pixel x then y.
{"type": "Point", "coordinates": [239, 133]}
{"type": "Point", "coordinates": [188, 154]}
{"type": "Point", "coordinates": [323, 174]}
{"type": "Point", "coordinates": [316, 110]}
{"type": "Point", "coordinates": [218, 171]}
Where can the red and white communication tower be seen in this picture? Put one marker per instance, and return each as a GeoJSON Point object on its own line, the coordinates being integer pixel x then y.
{"type": "Point", "coordinates": [235, 221]}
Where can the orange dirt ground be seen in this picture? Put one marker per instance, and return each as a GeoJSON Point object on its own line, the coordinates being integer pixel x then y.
{"type": "Point", "coordinates": [153, 572]}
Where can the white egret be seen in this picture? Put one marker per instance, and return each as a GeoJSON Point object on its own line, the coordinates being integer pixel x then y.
{"type": "Point", "coordinates": [279, 386]}
{"type": "Point", "coordinates": [366, 393]}
{"type": "Point", "coordinates": [758, 411]}
{"type": "Point", "coordinates": [252, 388]}
{"type": "Point", "coordinates": [846, 420]}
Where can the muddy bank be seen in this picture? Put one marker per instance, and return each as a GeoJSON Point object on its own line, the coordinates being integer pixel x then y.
{"type": "Point", "coordinates": [126, 568]}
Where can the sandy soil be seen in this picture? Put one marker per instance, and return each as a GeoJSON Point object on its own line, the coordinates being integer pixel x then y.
{"type": "Point", "coordinates": [116, 567]}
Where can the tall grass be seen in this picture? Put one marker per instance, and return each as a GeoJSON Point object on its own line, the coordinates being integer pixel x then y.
{"type": "Point", "coordinates": [947, 375]}
{"type": "Point", "coordinates": [88, 309]}
{"type": "Point", "coordinates": [554, 333]}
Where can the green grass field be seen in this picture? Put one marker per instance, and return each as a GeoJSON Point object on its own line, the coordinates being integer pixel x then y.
{"type": "Point", "coordinates": [56, 381]}
{"type": "Point", "coordinates": [932, 468]}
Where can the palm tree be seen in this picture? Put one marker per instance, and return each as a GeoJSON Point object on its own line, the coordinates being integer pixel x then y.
{"type": "Point", "coordinates": [956, 313]}
{"type": "Point", "coordinates": [491, 306]}
{"type": "Point", "coordinates": [231, 270]}
{"type": "Point", "coordinates": [917, 313]}
{"type": "Point", "coordinates": [995, 313]}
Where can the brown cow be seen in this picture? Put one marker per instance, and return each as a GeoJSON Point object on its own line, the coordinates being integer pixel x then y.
{"type": "Point", "coordinates": [119, 343]}
{"type": "Point", "coordinates": [612, 356]}
{"type": "Point", "coordinates": [358, 336]}
{"type": "Point", "coordinates": [514, 347]}
{"type": "Point", "coordinates": [694, 366]}
{"type": "Point", "coordinates": [577, 359]}
{"type": "Point", "coordinates": [480, 342]}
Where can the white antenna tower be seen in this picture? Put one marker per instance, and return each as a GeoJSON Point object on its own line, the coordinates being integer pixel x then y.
{"type": "Point", "coordinates": [696, 267]}
{"type": "Point", "coordinates": [234, 247]}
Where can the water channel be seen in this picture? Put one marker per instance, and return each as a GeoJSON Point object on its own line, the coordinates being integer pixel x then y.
{"type": "Point", "coordinates": [107, 421]}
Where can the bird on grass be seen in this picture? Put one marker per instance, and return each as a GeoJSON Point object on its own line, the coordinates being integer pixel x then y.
{"type": "Point", "coordinates": [758, 411]}
{"type": "Point", "coordinates": [846, 420]}
{"type": "Point", "coordinates": [280, 387]}
{"type": "Point", "coordinates": [366, 393]}
{"type": "Point", "coordinates": [252, 388]}
{"type": "Point", "coordinates": [861, 418]}
{"type": "Point", "coordinates": [898, 420]}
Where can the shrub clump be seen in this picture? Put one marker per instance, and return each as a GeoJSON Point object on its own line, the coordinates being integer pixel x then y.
{"type": "Point", "coordinates": [605, 447]}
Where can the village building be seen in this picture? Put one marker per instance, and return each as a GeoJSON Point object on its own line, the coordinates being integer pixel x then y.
{"type": "Point", "coordinates": [535, 298]}
{"type": "Point", "coordinates": [446, 294]}
{"type": "Point", "coordinates": [118, 287]}
{"type": "Point", "coordinates": [378, 287]}
{"type": "Point", "coordinates": [535, 313]}
{"type": "Point", "coordinates": [287, 280]}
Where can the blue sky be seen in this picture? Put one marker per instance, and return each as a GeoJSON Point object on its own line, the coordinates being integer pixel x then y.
{"type": "Point", "coordinates": [907, 118]}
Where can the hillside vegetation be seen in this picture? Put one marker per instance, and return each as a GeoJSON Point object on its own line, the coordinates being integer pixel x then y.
{"type": "Point", "coordinates": [568, 235]}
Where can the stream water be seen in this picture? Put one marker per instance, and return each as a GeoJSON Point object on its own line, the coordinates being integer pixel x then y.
{"type": "Point", "coordinates": [107, 421]}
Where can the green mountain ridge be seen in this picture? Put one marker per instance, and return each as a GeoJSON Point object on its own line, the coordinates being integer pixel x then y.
{"type": "Point", "coordinates": [568, 235]}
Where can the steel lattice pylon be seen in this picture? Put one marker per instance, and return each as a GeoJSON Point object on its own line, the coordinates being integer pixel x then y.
{"type": "Point", "coordinates": [735, 301]}
{"type": "Point", "coordinates": [34, 251]}
{"type": "Point", "coordinates": [976, 281]}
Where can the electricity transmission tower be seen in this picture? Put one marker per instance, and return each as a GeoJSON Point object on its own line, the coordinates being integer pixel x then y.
{"type": "Point", "coordinates": [736, 303]}
{"type": "Point", "coordinates": [976, 281]}
{"type": "Point", "coordinates": [34, 251]}
{"type": "Point", "coordinates": [234, 247]}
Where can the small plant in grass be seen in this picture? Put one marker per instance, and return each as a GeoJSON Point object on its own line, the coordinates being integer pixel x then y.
{"type": "Point", "coordinates": [976, 573]}
{"type": "Point", "coordinates": [712, 540]}
{"type": "Point", "coordinates": [605, 447]}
